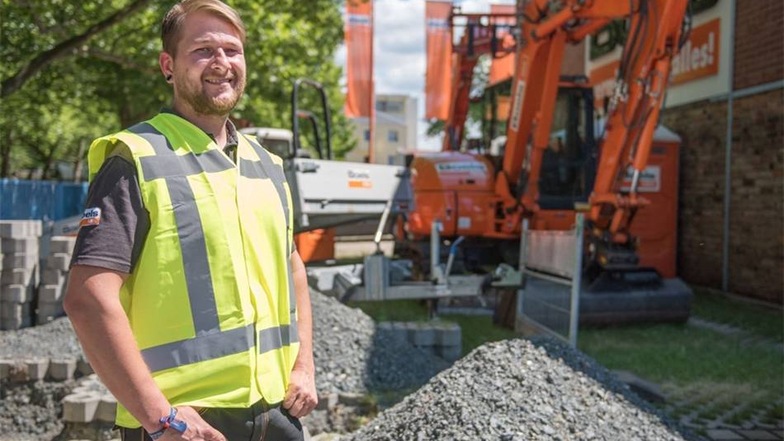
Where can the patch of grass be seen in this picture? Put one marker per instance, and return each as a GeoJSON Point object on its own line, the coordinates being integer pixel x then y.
{"type": "Point", "coordinates": [393, 310]}
{"type": "Point", "coordinates": [775, 414]}
{"type": "Point", "coordinates": [684, 355]}
{"type": "Point", "coordinates": [714, 306]}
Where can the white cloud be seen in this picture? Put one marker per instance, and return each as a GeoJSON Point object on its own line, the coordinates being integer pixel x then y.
{"type": "Point", "coordinates": [399, 51]}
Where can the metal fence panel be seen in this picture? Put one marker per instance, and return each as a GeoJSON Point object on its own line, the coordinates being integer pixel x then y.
{"type": "Point", "coordinates": [44, 200]}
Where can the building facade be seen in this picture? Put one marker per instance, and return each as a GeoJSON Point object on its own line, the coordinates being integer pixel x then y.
{"type": "Point", "coordinates": [726, 101]}
{"type": "Point", "coordinates": [395, 130]}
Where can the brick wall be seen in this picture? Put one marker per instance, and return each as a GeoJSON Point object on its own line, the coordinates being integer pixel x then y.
{"type": "Point", "coordinates": [756, 249]}
{"type": "Point", "coordinates": [702, 127]}
{"type": "Point", "coordinates": [759, 42]}
{"type": "Point", "coordinates": [757, 197]}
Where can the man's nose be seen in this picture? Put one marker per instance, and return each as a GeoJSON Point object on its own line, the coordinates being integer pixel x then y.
{"type": "Point", "coordinates": [219, 58]}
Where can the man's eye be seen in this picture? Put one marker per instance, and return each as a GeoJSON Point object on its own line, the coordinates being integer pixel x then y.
{"type": "Point", "coordinates": [203, 50]}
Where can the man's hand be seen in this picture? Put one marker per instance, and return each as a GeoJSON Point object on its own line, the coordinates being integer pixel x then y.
{"type": "Point", "coordinates": [301, 396]}
{"type": "Point", "coordinates": [198, 429]}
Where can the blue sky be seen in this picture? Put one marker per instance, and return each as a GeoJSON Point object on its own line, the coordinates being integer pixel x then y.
{"type": "Point", "coordinates": [399, 51]}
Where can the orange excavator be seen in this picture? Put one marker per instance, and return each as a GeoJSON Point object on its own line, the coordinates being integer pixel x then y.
{"type": "Point", "coordinates": [554, 162]}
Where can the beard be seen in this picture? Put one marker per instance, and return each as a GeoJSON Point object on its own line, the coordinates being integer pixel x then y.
{"type": "Point", "coordinates": [204, 104]}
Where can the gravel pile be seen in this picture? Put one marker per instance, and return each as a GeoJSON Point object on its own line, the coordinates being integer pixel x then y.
{"type": "Point", "coordinates": [519, 390]}
{"type": "Point", "coordinates": [31, 411]}
{"type": "Point", "coordinates": [54, 339]}
{"type": "Point", "coordinates": [353, 356]}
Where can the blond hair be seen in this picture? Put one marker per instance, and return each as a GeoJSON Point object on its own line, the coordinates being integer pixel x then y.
{"type": "Point", "coordinates": [171, 27]}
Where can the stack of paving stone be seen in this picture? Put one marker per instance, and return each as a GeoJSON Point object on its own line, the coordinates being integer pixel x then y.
{"type": "Point", "coordinates": [89, 402]}
{"type": "Point", "coordinates": [20, 242]}
{"type": "Point", "coordinates": [442, 339]}
{"type": "Point", "coordinates": [54, 279]}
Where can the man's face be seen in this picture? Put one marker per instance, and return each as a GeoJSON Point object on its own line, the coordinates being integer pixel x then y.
{"type": "Point", "coordinates": [209, 68]}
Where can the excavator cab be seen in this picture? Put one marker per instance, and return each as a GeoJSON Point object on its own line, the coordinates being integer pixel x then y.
{"type": "Point", "coordinates": [569, 163]}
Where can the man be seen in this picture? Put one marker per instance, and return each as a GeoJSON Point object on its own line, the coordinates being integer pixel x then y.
{"type": "Point", "coordinates": [185, 291]}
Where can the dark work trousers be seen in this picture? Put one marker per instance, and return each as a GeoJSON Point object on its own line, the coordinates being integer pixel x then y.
{"type": "Point", "coordinates": [260, 422]}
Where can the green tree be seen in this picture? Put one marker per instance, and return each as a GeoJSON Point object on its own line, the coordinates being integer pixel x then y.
{"type": "Point", "coordinates": [74, 69]}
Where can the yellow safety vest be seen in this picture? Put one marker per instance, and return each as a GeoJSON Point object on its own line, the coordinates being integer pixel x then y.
{"type": "Point", "coordinates": [211, 300]}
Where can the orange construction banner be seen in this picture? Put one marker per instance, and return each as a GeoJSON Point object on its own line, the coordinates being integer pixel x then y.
{"type": "Point", "coordinates": [502, 69]}
{"type": "Point", "coordinates": [438, 76]}
{"type": "Point", "coordinates": [359, 57]}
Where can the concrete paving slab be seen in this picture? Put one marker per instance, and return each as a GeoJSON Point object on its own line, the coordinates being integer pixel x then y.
{"type": "Point", "coordinates": [723, 435]}
{"type": "Point", "coordinates": [62, 244]}
{"type": "Point", "coordinates": [107, 409]}
{"type": "Point", "coordinates": [59, 261]}
{"type": "Point", "coordinates": [37, 368]}
{"type": "Point", "coordinates": [62, 369]}
{"type": "Point", "coordinates": [80, 407]}
{"type": "Point", "coordinates": [759, 435]}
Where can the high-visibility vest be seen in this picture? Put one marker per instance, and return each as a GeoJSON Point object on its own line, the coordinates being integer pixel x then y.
{"type": "Point", "coordinates": [211, 300]}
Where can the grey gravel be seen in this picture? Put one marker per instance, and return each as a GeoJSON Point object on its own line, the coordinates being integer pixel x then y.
{"type": "Point", "coordinates": [55, 339]}
{"type": "Point", "coordinates": [352, 355]}
{"type": "Point", "coordinates": [30, 411]}
{"type": "Point", "coordinates": [519, 390]}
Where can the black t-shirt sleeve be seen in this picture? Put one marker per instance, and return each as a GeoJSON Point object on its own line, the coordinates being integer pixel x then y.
{"type": "Point", "coordinates": [115, 241]}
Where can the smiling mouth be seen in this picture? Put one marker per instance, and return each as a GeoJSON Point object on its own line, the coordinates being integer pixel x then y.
{"type": "Point", "coordinates": [219, 81]}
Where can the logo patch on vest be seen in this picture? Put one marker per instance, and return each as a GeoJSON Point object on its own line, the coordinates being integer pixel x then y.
{"type": "Point", "coordinates": [91, 216]}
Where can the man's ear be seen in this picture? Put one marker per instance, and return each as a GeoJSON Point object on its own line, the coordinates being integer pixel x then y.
{"type": "Point", "coordinates": [166, 63]}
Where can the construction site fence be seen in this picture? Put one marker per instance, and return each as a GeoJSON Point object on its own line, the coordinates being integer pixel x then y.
{"type": "Point", "coordinates": [40, 200]}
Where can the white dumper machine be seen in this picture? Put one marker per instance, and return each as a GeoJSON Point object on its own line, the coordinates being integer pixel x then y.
{"type": "Point", "coordinates": [328, 193]}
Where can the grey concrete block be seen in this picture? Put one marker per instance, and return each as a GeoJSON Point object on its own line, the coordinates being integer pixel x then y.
{"type": "Point", "coordinates": [59, 261]}
{"type": "Point", "coordinates": [723, 435]}
{"type": "Point", "coordinates": [14, 370]}
{"type": "Point", "coordinates": [422, 334]}
{"type": "Point", "coordinates": [62, 369]}
{"type": "Point", "coordinates": [54, 309]}
{"type": "Point", "coordinates": [448, 334]}
{"type": "Point", "coordinates": [37, 368]}
{"type": "Point", "coordinates": [80, 407]}
{"type": "Point", "coordinates": [107, 408]}
{"type": "Point", "coordinates": [19, 276]}
{"type": "Point", "coordinates": [384, 326]}
{"type": "Point", "coordinates": [62, 244]}
{"type": "Point", "coordinates": [50, 294]}
{"type": "Point", "coordinates": [19, 260]}
{"type": "Point", "coordinates": [16, 293]}
{"type": "Point", "coordinates": [14, 310]}
{"type": "Point", "coordinates": [83, 367]}
{"type": "Point", "coordinates": [351, 399]}
{"type": "Point", "coordinates": [6, 366]}
{"type": "Point", "coordinates": [449, 353]}
{"type": "Point", "coordinates": [11, 229]}
{"type": "Point", "coordinates": [12, 324]}
{"type": "Point", "coordinates": [327, 401]}
{"type": "Point", "coordinates": [759, 435]}
{"type": "Point", "coordinates": [24, 245]}
{"type": "Point", "coordinates": [53, 277]}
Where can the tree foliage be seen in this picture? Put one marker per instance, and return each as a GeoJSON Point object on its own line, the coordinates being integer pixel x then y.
{"type": "Point", "coordinates": [71, 72]}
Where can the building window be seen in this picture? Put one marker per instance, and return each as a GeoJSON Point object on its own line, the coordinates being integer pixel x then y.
{"type": "Point", "coordinates": [389, 106]}
{"type": "Point", "coordinates": [392, 136]}
{"type": "Point", "coordinates": [367, 135]}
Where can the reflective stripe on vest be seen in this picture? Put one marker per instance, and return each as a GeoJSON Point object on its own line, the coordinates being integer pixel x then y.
{"type": "Point", "coordinates": [209, 341]}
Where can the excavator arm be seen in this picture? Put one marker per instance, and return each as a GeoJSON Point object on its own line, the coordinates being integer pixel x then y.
{"type": "Point", "coordinates": [655, 36]}
{"type": "Point", "coordinates": [480, 37]}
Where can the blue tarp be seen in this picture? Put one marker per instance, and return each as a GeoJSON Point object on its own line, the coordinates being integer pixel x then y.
{"type": "Point", "coordinates": [44, 200]}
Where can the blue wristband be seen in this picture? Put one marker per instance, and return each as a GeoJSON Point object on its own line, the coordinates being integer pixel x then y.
{"type": "Point", "coordinates": [170, 422]}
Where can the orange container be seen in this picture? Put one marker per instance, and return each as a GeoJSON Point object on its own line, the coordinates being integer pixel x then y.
{"type": "Point", "coordinates": [316, 245]}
